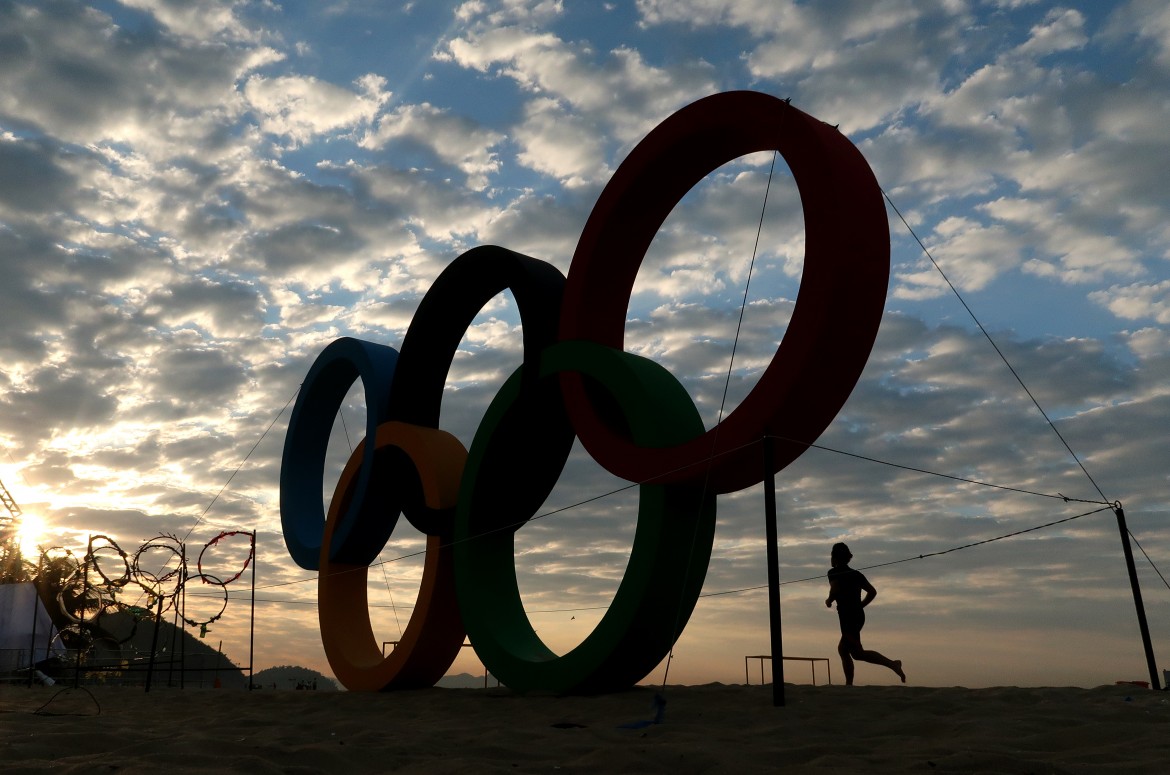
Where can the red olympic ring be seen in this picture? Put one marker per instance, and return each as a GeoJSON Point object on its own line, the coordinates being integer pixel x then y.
{"type": "Point", "coordinates": [838, 308]}
{"type": "Point", "coordinates": [577, 380]}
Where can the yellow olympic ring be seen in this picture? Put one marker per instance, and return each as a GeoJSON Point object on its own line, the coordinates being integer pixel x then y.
{"type": "Point", "coordinates": [435, 633]}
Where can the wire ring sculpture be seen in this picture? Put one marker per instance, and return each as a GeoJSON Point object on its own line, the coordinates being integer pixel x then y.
{"type": "Point", "coordinates": [90, 585]}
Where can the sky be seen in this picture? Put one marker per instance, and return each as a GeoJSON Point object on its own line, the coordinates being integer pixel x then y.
{"type": "Point", "coordinates": [196, 197]}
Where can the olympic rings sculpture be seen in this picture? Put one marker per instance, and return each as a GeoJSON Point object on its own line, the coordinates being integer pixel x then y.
{"type": "Point", "coordinates": [632, 416]}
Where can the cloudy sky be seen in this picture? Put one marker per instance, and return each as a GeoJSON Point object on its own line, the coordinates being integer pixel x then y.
{"type": "Point", "coordinates": [197, 196]}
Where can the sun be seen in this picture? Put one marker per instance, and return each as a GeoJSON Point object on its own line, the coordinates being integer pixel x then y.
{"type": "Point", "coordinates": [31, 534]}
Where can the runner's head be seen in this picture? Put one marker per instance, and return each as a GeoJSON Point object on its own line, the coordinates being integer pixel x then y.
{"type": "Point", "coordinates": [841, 554]}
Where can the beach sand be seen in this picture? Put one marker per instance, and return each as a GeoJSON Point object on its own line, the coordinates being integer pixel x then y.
{"type": "Point", "coordinates": [705, 729]}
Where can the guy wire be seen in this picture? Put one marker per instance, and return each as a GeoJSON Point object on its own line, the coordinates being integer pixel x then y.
{"type": "Point", "coordinates": [1151, 562]}
{"type": "Point", "coordinates": [242, 462]}
{"type": "Point", "coordinates": [562, 509]}
{"type": "Point", "coordinates": [924, 556]}
{"type": "Point", "coordinates": [722, 405]}
{"type": "Point", "coordinates": [994, 346]}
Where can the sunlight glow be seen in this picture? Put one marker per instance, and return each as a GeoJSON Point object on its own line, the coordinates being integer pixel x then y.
{"type": "Point", "coordinates": [31, 534]}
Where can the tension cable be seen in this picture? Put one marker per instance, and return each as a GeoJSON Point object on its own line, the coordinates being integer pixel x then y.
{"type": "Point", "coordinates": [994, 346]}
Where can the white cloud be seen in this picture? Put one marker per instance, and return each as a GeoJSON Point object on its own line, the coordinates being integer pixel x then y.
{"type": "Point", "coordinates": [970, 253]}
{"type": "Point", "coordinates": [1066, 248]}
{"type": "Point", "coordinates": [1025, 142]}
{"type": "Point", "coordinates": [1147, 21]}
{"type": "Point", "coordinates": [630, 94]}
{"type": "Point", "coordinates": [1140, 301]}
{"type": "Point", "coordinates": [851, 67]}
{"type": "Point", "coordinates": [86, 81]}
{"type": "Point", "coordinates": [1062, 29]}
{"type": "Point", "coordinates": [453, 139]}
{"type": "Point", "coordinates": [197, 18]}
{"type": "Point", "coordinates": [302, 108]}
{"type": "Point", "coordinates": [563, 145]}
{"type": "Point", "coordinates": [532, 12]}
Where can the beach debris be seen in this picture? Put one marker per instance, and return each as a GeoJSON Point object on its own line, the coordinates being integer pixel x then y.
{"type": "Point", "coordinates": [657, 709]}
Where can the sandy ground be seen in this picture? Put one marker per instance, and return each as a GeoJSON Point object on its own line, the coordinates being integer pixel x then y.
{"type": "Point", "coordinates": [704, 729]}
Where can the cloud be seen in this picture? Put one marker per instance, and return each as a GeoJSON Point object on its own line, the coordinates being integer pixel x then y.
{"type": "Point", "coordinates": [500, 14]}
{"type": "Point", "coordinates": [454, 140]}
{"type": "Point", "coordinates": [1143, 21]}
{"type": "Point", "coordinates": [1138, 302]}
{"type": "Point", "coordinates": [626, 93]}
{"type": "Point", "coordinates": [556, 143]}
{"type": "Point", "coordinates": [302, 108]}
{"type": "Point", "coordinates": [1081, 253]}
{"type": "Point", "coordinates": [85, 80]}
{"type": "Point", "coordinates": [972, 255]}
{"type": "Point", "coordinates": [197, 379]}
{"type": "Point", "coordinates": [815, 54]}
{"type": "Point", "coordinates": [197, 19]}
{"type": "Point", "coordinates": [226, 309]}
{"type": "Point", "coordinates": [30, 179]}
{"type": "Point", "coordinates": [52, 399]}
{"type": "Point", "coordinates": [1061, 30]}
{"type": "Point", "coordinates": [1018, 129]}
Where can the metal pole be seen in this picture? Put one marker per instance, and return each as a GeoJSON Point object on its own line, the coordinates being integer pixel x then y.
{"type": "Point", "coordinates": [1137, 598]}
{"type": "Point", "coordinates": [81, 613]}
{"type": "Point", "coordinates": [252, 623]}
{"type": "Point", "coordinates": [179, 633]}
{"type": "Point", "coordinates": [154, 642]}
{"type": "Point", "coordinates": [32, 654]}
{"type": "Point", "coordinates": [773, 576]}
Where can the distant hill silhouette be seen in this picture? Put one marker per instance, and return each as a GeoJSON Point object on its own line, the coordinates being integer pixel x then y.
{"type": "Point", "coordinates": [121, 655]}
{"type": "Point", "coordinates": [290, 677]}
{"type": "Point", "coordinates": [464, 681]}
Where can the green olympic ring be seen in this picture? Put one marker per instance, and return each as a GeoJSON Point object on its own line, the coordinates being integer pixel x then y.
{"type": "Point", "coordinates": [672, 543]}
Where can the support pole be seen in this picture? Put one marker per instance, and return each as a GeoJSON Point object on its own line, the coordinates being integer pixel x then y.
{"type": "Point", "coordinates": [1151, 663]}
{"type": "Point", "coordinates": [37, 605]}
{"type": "Point", "coordinates": [179, 646]}
{"type": "Point", "coordinates": [252, 619]}
{"type": "Point", "coordinates": [81, 613]}
{"type": "Point", "coordinates": [154, 642]}
{"type": "Point", "coordinates": [773, 576]}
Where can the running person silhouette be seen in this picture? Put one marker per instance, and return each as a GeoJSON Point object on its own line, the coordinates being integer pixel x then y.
{"type": "Point", "coordinates": [845, 587]}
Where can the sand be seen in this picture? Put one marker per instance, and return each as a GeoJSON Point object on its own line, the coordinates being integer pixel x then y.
{"type": "Point", "coordinates": [705, 729]}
